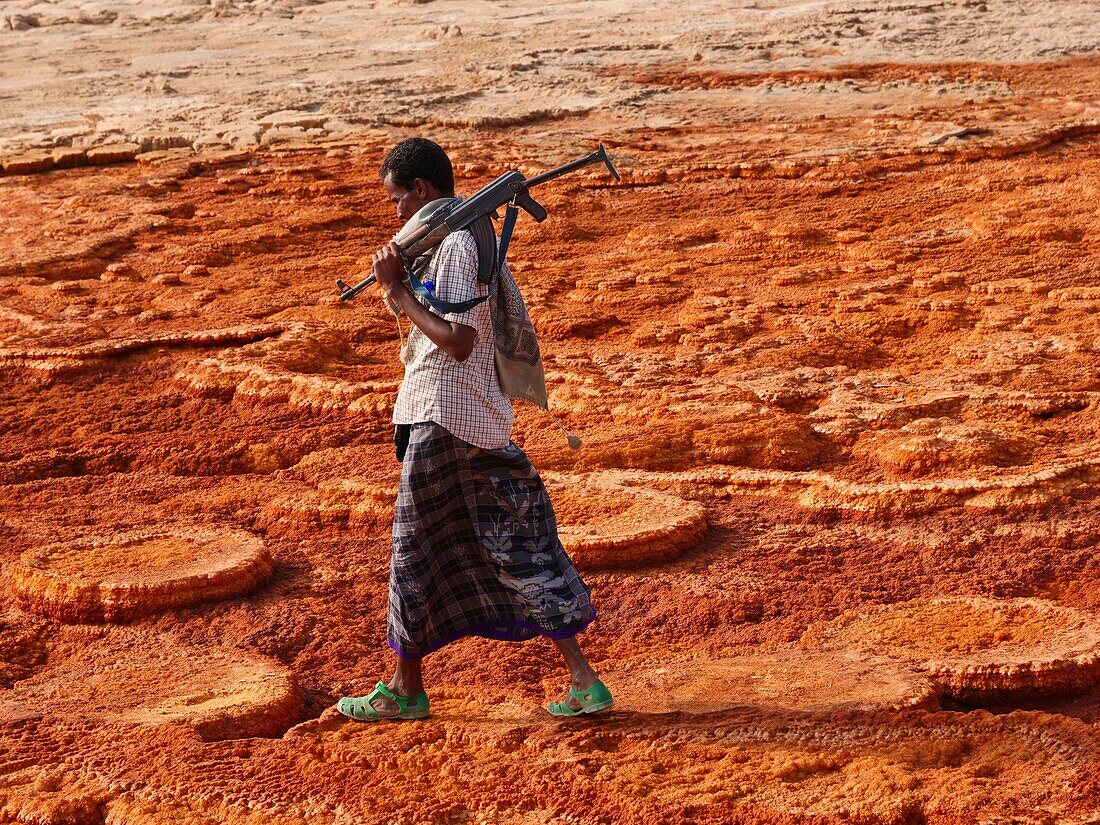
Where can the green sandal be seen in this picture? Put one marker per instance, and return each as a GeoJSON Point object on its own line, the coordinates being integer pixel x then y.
{"type": "Point", "coordinates": [360, 707]}
{"type": "Point", "coordinates": [592, 699]}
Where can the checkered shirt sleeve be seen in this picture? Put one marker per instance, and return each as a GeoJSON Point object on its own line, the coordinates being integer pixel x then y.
{"type": "Point", "coordinates": [455, 272]}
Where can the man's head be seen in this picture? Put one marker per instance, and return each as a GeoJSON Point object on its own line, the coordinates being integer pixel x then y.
{"type": "Point", "coordinates": [415, 172]}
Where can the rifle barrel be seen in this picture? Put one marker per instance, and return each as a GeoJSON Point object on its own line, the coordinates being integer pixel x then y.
{"type": "Point", "coordinates": [349, 292]}
{"type": "Point", "coordinates": [596, 157]}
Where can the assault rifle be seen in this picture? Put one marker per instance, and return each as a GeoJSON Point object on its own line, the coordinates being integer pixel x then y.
{"type": "Point", "coordinates": [509, 189]}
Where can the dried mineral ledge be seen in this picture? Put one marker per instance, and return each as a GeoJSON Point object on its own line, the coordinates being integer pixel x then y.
{"type": "Point", "coordinates": [978, 649]}
{"type": "Point", "coordinates": [119, 578]}
{"type": "Point", "coordinates": [132, 676]}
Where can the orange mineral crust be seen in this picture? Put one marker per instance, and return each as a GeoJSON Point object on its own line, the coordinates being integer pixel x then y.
{"type": "Point", "coordinates": [978, 648]}
{"type": "Point", "coordinates": [137, 678]}
{"type": "Point", "coordinates": [604, 522]}
{"type": "Point", "coordinates": [831, 347]}
{"type": "Point", "coordinates": [796, 680]}
{"type": "Point", "coordinates": [134, 574]}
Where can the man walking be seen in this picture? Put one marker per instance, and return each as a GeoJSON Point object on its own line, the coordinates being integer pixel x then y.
{"type": "Point", "coordinates": [475, 544]}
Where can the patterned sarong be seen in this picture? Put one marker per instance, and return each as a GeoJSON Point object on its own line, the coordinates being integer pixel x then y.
{"type": "Point", "coordinates": [476, 550]}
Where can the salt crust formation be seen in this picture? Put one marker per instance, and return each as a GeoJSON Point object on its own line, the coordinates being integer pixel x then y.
{"type": "Point", "coordinates": [46, 363]}
{"type": "Point", "coordinates": [862, 766]}
{"type": "Point", "coordinates": [130, 676]}
{"type": "Point", "coordinates": [22, 646]}
{"type": "Point", "coordinates": [928, 444]}
{"type": "Point", "coordinates": [978, 649]}
{"type": "Point", "coordinates": [825, 492]}
{"type": "Point", "coordinates": [122, 577]}
{"type": "Point", "coordinates": [740, 764]}
{"type": "Point", "coordinates": [876, 303]}
{"type": "Point", "coordinates": [306, 367]}
{"type": "Point", "coordinates": [605, 521]}
{"type": "Point", "coordinates": [799, 348]}
{"type": "Point", "coordinates": [351, 503]}
{"type": "Point", "coordinates": [792, 680]}
{"type": "Point", "coordinates": [821, 56]}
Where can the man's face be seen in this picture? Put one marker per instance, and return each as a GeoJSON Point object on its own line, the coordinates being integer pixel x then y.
{"type": "Point", "coordinates": [407, 202]}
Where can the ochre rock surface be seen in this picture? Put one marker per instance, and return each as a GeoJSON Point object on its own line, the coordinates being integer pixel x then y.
{"type": "Point", "coordinates": [840, 312]}
{"type": "Point", "coordinates": [312, 369]}
{"type": "Point", "coordinates": [122, 577]}
{"type": "Point", "coordinates": [22, 647]}
{"type": "Point", "coordinates": [794, 680]}
{"type": "Point", "coordinates": [136, 678]}
{"type": "Point", "coordinates": [978, 649]}
{"type": "Point", "coordinates": [604, 522]}
{"type": "Point", "coordinates": [604, 519]}
{"type": "Point", "coordinates": [45, 363]}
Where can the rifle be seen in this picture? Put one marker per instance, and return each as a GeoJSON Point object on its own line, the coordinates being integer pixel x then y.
{"type": "Point", "coordinates": [509, 189]}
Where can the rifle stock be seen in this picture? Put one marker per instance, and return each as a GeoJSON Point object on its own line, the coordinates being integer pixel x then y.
{"type": "Point", "coordinates": [418, 246]}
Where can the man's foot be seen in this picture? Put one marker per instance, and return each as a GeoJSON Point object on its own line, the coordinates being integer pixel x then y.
{"type": "Point", "coordinates": [580, 687]}
{"type": "Point", "coordinates": [587, 695]}
{"type": "Point", "coordinates": [387, 707]}
{"type": "Point", "coordinates": [378, 705]}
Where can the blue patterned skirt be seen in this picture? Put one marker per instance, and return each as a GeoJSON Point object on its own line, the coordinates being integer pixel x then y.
{"type": "Point", "coordinates": [476, 550]}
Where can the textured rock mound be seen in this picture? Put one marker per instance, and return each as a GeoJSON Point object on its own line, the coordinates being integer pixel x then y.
{"type": "Point", "coordinates": [604, 522]}
{"type": "Point", "coordinates": [52, 796]}
{"type": "Point", "coordinates": [340, 502]}
{"type": "Point", "coordinates": [133, 677]}
{"type": "Point", "coordinates": [822, 491]}
{"type": "Point", "coordinates": [718, 430]}
{"type": "Point", "coordinates": [313, 367]}
{"type": "Point", "coordinates": [22, 647]}
{"type": "Point", "coordinates": [978, 649]}
{"type": "Point", "coordinates": [134, 574]}
{"type": "Point", "coordinates": [43, 364]}
{"type": "Point", "coordinates": [791, 680]}
{"type": "Point", "coordinates": [930, 444]}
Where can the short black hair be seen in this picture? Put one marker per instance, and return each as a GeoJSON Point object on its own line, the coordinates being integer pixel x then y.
{"type": "Point", "coordinates": [419, 158]}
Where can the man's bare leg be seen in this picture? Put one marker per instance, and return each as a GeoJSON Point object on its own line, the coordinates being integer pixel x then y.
{"type": "Point", "coordinates": [408, 680]}
{"type": "Point", "coordinates": [583, 676]}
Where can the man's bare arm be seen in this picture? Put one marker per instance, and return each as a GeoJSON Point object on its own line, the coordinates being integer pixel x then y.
{"type": "Point", "coordinates": [457, 340]}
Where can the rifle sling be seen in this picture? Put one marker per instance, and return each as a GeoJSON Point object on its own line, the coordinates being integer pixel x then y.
{"type": "Point", "coordinates": [445, 307]}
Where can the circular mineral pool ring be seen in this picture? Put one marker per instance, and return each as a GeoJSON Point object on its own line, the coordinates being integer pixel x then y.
{"type": "Point", "coordinates": [603, 521]}
{"type": "Point", "coordinates": [787, 680]}
{"type": "Point", "coordinates": [119, 578]}
{"type": "Point", "coordinates": [133, 676]}
{"type": "Point", "coordinates": [978, 649]}
{"type": "Point", "coordinates": [338, 502]}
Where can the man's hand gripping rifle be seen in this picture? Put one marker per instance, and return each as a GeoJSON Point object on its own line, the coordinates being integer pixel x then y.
{"type": "Point", "coordinates": [509, 189]}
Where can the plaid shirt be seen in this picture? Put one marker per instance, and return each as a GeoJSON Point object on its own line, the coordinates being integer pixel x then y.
{"type": "Point", "coordinates": [463, 397]}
